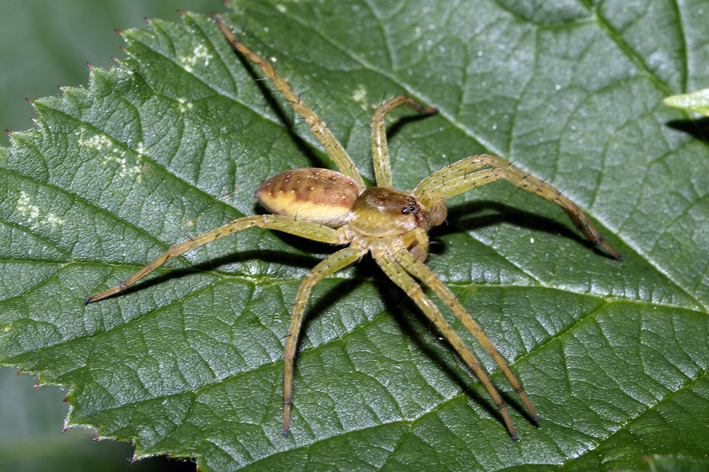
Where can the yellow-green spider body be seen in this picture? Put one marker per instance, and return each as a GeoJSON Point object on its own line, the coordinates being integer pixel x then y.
{"type": "Point", "coordinates": [391, 225]}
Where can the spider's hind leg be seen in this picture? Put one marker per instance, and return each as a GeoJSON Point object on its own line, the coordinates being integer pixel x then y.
{"type": "Point", "coordinates": [330, 265]}
{"type": "Point", "coordinates": [318, 127]}
{"type": "Point", "coordinates": [304, 229]}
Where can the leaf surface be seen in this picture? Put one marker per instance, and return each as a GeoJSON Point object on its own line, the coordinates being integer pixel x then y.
{"type": "Point", "coordinates": [173, 141]}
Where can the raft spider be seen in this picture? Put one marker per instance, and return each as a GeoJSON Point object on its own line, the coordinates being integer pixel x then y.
{"type": "Point", "coordinates": [336, 208]}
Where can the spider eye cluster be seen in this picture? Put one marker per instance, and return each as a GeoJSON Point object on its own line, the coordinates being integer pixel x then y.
{"type": "Point", "coordinates": [409, 209]}
{"type": "Point", "coordinates": [385, 212]}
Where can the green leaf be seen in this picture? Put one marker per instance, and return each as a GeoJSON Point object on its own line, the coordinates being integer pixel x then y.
{"type": "Point", "coordinates": [48, 43]}
{"type": "Point", "coordinates": [173, 141]}
{"type": "Point", "coordinates": [695, 101]}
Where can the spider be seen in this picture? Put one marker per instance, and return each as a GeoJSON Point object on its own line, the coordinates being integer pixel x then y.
{"type": "Point", "coordinates": [336, 208]}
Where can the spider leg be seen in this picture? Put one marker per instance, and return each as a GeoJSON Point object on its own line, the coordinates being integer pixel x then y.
{"type": "Point", "coordinates": [416, 242]}
{"type": "Point", "coordinates": [419, 270]}
{"type": "Point", "coordinates": [304, 229]}
{"type": "Point", "coordinates": [465, 175]}
{"type": "Point", "coordinates": [398, 275]}
{"type": "Point", "coordinates": [331, 145]}
{"type": "Point", "coordinates": [380, 149]}
{"type": "Point", "coordinates": [330, 265]}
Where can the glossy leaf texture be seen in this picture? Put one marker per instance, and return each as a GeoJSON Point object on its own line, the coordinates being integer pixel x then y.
{"type": "Point", "coordinates": [172, 142]}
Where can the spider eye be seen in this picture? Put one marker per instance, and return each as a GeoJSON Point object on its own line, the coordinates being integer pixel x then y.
{"type": "Point", "coordinates": [405, 211]}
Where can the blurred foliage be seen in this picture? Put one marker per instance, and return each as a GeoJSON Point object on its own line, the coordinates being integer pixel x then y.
{"type": "Point", "coordinates": [45, 43]}
{"type": "Point", "coordinates": [694, 101]}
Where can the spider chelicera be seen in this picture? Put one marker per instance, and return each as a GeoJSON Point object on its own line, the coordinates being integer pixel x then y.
{"type": "Point", "coordinates": [336, 208]}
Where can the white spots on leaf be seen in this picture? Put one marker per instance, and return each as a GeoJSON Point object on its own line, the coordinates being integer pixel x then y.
{"type": "Point", "coordinates": [184, 105]}
{"type": "Point", "coordinates": [97, 141]}
{"type": "Point", "coordinates": [112, 154]}
{"type": "Point", "coordinates": [281, 8]}
{"type": "Point", "coordinates": [33, 215]}
{"type": "Point", "coordinates": [360, 96]}
{"type": "Point", "coordinates": [123, 169]}
{"type": "Point", "coordinates": [200, 54]}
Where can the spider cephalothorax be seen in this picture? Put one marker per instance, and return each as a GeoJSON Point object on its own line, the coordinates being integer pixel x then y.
{"type": "Point", "coordinates": [336, 208]}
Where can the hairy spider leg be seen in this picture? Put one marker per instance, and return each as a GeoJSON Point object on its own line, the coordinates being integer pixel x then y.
{"type": "Point", "coordinates": [398, 275]}
{"type": "Point", "coordinates": [416, 242]}
{"type": "Point", "coordinates": [330, 265]}
{"type": "Point", "coordinates": [467, 174]}
{"type": "Point", "coordinates": [380, 149]}
{"type": "Point", "coordinates": [429, 278]}
{"type": "Point", "coordinates": [318, 127]}
{"type": "Point", "coordinates": [304, 229]}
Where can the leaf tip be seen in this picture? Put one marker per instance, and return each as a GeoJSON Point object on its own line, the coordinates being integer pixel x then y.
{"type": "Point", "coordinates": [117, 30]}
{"type": "Point", "coordinates": [9, 133]}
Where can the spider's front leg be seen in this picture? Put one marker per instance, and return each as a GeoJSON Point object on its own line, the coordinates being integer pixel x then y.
{"type": "Point", "coordinates": [468, 174]}
{"type": "Point", "coordinates": [304, 229]}
{"type": "Point", "coordinates": [380, 149]}
{"type": "Point", "coordinates": [419, 270]}
{"type": "Point", "coordinates": [393, 269]}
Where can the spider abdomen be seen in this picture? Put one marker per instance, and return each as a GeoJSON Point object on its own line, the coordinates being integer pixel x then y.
{"type": "Point", "coordinates": [317, 195]}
